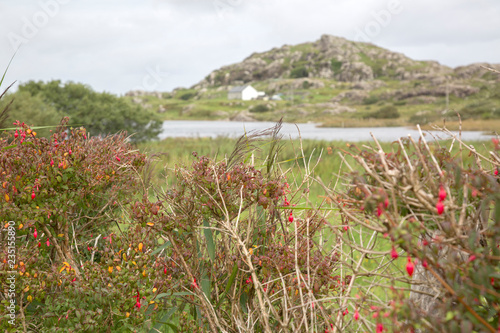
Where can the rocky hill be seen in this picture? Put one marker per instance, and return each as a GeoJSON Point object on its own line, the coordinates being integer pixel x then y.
{"type": "Point", "coordinates": [338, 82]}
{"type": "Point", "coordinates": [338, 59]}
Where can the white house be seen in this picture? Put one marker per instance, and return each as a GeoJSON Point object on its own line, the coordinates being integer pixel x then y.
{"type": "Point", "coordinates": [245, 93]}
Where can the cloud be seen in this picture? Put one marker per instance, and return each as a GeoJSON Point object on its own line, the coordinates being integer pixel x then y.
{"type": "Point", "coordinates": [115, 45]}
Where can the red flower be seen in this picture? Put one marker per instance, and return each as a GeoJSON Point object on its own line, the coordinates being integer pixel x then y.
{"type": "Point", "coordinates": [356, 315]}
{"type": "Point", "coordinates": [394, 253]}
{"type": "Point", "coordinates": [16, 135]}
{"type": "Point", "coordinates": [39, 244]}
{"type": "Point", "coordinates": [440, 207]}
{"type": "Point", "coordinates": [165, 270]}
{"type": "Point", "coordinates": [194, 284]}
{"type": "Point", "coordinates": [425, 264]}
{"type": "Point", "coordinates": [290, 218]}
{"type": "Point", "coordinates": [386, 202]}
{"type": "Point", "coordinates": [35, 234]}
{"type": "Point", "coordinates": [33, 195]}
{"type": "Point", "coordinates": [472, 258]}
{"type": "Point", "coordinates": [48, 243]}
{"type": "Point", "coordinates": [117, 158]}
{"type": "Point", "coordinates": [70, 151]}
{"type": "Point", "coordinates": [51, 162]}
{"type": "Point", "coordinates": [442, 193]}
{"type": "Point", "coordinates": [345, 312]}
{"type": "Point", "coordinates": [409, 267]}
{"type": "Point", "coordinates": [380, 328]}
{"type": "Point", "coordinates": [496, 172]}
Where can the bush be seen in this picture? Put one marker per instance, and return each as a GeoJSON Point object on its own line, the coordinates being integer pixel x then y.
{"type": "Point", "coordinates": [187, 96]}
{"type": "Point", "coordinates": [299, 72]}
{"type": "Point", "coordinates": [370, 100]}
{"type": "Point", "coordinates": [386, 112]}
{"type": "Point", "coordinates": [260, 108]}
{"type": "Point", "coordinates": [441, 219]}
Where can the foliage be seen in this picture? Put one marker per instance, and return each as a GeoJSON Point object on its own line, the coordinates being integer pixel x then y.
{"type": "Point", "coordinates": [442, 217]}
{"type": "Point", "coordinates": [100, 113]}
{"type": "Point", "coordinates": [260, 108]}
{"type": "Point", "coordinates": [336, 65]}
{"type": "Point", "coordinates": [298, 72]}
{"type": "Point", "coordinates": [386, 112]}
{"type": "Point", "coordinates": [59, 192]}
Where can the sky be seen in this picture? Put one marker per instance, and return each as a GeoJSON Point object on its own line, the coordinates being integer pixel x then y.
{"type": "Point", "coordinates": [158, 45]}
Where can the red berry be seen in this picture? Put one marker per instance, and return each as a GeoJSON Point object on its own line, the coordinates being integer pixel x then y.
{"type": "Point", "coordinates": [496, 172]}
{"type": "Point", "coordinates": [35, 234]}
{"type": "Point", "coordinates": [442, 193]}
{"type": "Point", "coordinates": [33, 195]}
{"type": "Point", "coordinates": [70, 151]}
{"type": "Point", "coordinates": [472, 258]}
{"type": "Point", "coordinates": [440, 207]}
{"type": "Point", "coordinates": [118, 159]}
{"type": "Point", "coordinates": [356, 315]}
{"type": "Point", "coordinates": [290, 218]}
{"type": "Point", "coordinates": [380, 328]}
{"type": "Point", "coordinates": [165, 270]}
{"type": "Point", "coordinates": [409, 267]}
{"type": "Point", "coordinates": [425, 264]}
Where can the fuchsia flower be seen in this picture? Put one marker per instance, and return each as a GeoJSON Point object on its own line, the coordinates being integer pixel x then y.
{"type": "Point", "coordinates": [33, 195]}
{"type": "Point", "coordinates": [165, 270]}
{"type": "Point", "coordinates": [117, 158]}
{"type": "Point", "coordinates": [409, 267]}
{"type": "Point", "coordinates": [48, 243]}
{"type": "Point", "coordinates": [386, 202]}
{"type": "Point", "coordinates": [356, 315]}
{"type": "Point", "coordinates": [39, 244]}
{"type": "Point", "coordinates": [16, 135]}
{"type": "Point", "coordinates": [380, 328]}
{"type": "Point", "coordinates": [379, 210]}
{"type": "Point", "coordinates": [290, 218]}
{"type": "Point", "coordinates": [440, 207]}
{"type": "Point", "coordinates": [394, 253]}
{"type": "Point", "coordinates": [51, 162]}
{"type": "Point", "coordinates": [35, 234]}
{"type": "Point", "coordinates": [442, 193]}
{"type": "Point", "coordinates": [70, 151]}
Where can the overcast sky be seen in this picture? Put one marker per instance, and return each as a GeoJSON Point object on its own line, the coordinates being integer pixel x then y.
{"type": "Point", "coordinates": [121, 45]}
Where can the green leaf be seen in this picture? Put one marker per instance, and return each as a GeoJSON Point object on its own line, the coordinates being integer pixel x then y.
{"type": "Point", "coordinates": [205, 285]}
{"type": "Point", "coordinates": [5, 73]}
{"type": "Point", "coordinates": [229, 284]}
{"type": "Point", "coordinates": [167, 244]}
{"type": "Point", "coordinates": [210, 239]}
{"type": "Point", "coordinates": [243, 302]}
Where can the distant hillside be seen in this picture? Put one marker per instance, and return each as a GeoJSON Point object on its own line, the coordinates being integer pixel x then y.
{"type": "Point", "coordinates": [334, 58]}
{"type": "Point", "coordinates": [338, 82]}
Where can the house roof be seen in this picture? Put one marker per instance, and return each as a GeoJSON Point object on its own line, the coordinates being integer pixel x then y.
{"type": "Point", "coordinates": [239, 88]}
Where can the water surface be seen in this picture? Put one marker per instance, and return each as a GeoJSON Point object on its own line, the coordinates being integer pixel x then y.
{"type": "Point", "coordinates": [234, 129]}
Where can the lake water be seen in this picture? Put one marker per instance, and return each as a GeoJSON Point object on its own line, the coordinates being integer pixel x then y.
{"type": "Point", "coordinates": [234, 129]}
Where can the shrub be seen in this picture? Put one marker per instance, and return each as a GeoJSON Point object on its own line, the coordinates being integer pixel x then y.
{"type": "Point", "coordinates": [187, 96]}
{"type": "Point", "coordinates": [441, 217]}
{"type": "Point", "coordinates": [299, 72]}
{"type": "Point", "coordinates": [386, 112]}
{"type": "Point", "coordinates": [260, 108]}
{"type": "Point", "coordinates": [370, 100]}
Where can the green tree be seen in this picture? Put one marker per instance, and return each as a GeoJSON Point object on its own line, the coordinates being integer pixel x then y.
{"type": "Point", "coordinates": [100, 113]}
{"type": "Point", "coordinates": [31, 109]}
